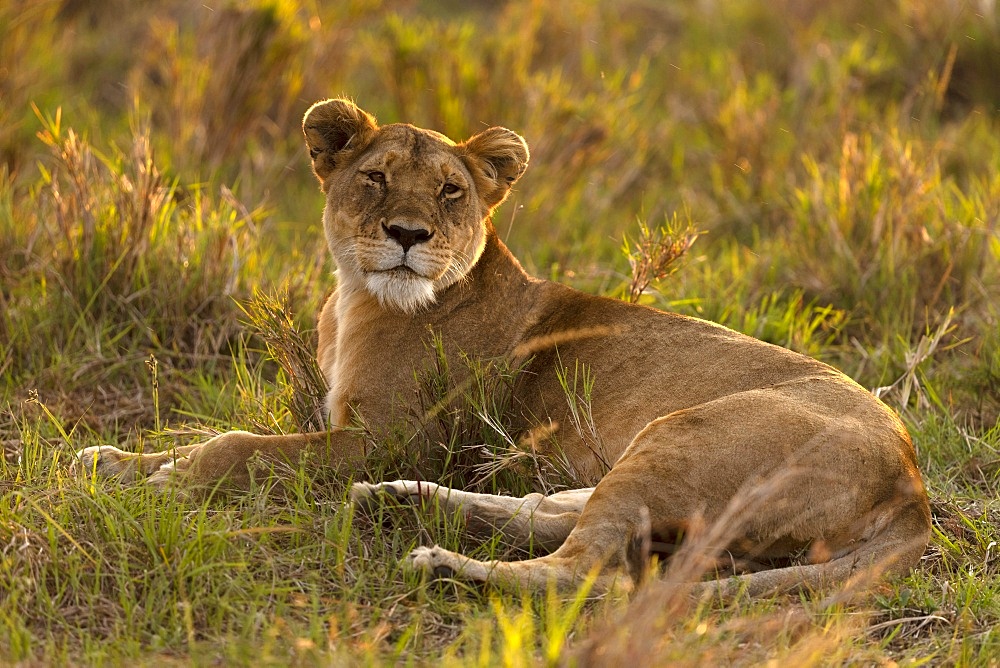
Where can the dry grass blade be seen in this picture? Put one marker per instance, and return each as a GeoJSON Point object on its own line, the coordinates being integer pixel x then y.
{"type": "Point", "coordinates": [908, 383]}
{"type": "Point", "coordinates": [655, 254]}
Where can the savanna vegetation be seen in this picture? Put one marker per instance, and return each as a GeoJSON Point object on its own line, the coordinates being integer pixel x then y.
{"type": "Point", "coordinates": [161, 264]}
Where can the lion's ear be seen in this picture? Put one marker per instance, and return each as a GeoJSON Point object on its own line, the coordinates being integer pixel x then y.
{"type": "Point", "coordinates": [497, 158]}
{"type": "Point", "coordinates": [332, 129]}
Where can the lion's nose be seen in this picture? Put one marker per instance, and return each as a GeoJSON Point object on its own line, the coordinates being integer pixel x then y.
{"type": "Point", "coordinates": [406, 236]}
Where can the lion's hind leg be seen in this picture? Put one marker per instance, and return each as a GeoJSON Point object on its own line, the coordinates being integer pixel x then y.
{"type": "Point", "coordinates": [566, 572]}
{"type": "Point", "coordinates": [895, 545]}
{"type": "Point", "coordinates": [760, 491]}
{"type": "Point", "coordinates": [532, 521]}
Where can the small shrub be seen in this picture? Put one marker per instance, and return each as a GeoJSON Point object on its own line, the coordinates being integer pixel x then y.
{"type": "Point", "coordinates": [465, 431]}
{"type": "Point", "coordinates": [304, 388]}
{"type": "Point", "coordinates": [654, 255]}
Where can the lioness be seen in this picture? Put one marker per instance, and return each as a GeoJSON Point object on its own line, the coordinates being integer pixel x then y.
{"type": "Point", "coordinates": [696, 418]}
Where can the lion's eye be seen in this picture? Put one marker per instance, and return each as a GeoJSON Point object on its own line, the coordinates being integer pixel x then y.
{"type": "Point", "coordinates": [376, 177]}
{"type": "Point", "coordinates": [451, 191]}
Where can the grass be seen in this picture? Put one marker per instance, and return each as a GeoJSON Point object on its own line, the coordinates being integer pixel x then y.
{"type": "Point", "coordinates": [820, 175]}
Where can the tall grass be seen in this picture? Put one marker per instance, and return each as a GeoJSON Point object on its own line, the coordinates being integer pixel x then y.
{"type": "Point", "coordinates": [838, 160]}
{"type": "Point", "coordinates": [110, 258]}
{"type": "Point", "coordinates": [883, 224]}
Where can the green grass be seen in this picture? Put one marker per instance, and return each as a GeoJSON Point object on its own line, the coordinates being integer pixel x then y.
{"type": "Point", "coordinates": [161, 265]}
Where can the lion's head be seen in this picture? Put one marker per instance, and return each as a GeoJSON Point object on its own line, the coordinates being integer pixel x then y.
{"type": "Point", "coordinates": [406, 208]}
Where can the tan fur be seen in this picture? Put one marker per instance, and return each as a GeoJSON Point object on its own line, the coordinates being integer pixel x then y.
{"type": "Point", "coordinates": [788, 455]}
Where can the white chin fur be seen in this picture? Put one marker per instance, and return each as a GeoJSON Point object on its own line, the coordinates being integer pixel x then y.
{"type": "Point", "coordinates": [408, 294]}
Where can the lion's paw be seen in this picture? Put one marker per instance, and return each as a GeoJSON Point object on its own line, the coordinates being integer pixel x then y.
{"type": "Point", "coordinates": [171, 472]}
{"type": "Point", "coordinates": [366, 494]}
{"type": "Point", "coordinates": [434, 562]}
{"type": "Point", "coordinates": [107, 461]}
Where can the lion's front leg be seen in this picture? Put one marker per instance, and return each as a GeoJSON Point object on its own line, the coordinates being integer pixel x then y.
{"type": "Point", "coordinates": [218, 457]}
{"type": "Point", "coordinates": [224, 459]}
